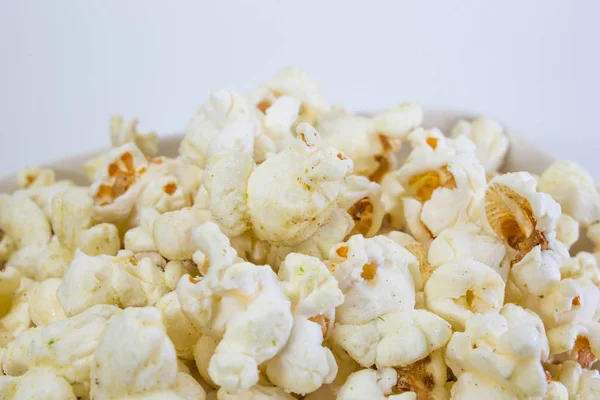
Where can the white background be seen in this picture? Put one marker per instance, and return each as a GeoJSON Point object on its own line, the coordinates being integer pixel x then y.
{"type": "Point", "coordinates": [66, 66]}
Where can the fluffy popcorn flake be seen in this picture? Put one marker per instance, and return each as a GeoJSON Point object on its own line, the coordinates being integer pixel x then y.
{"type": "Point", "coordinates": [181, 331]}
{"type": "Point", "coordinates": [574, 189]}
{"type": "Point", "coordinates": [66, 346]}
{"type": "Point", "coordinates": [526, 220]}
{"type": "Point", "coordinates": [134, 356]}
{"type": "Point", "coordinates": [394, 340]}
{"type": "Point", "coordinates": [374, 275]}
{"type": "Point", "coordinates": [489, 138]}
{"type": "Point", "coordinates": [172, 232]}
{"type": "Point", "coordinates": [294, 192]}
{"type": "Point", "coordinates": [242, 304]}
{"type": "Point", "coordinates": [304, 364]}
{"type": "Point", "coordinates": [24, 222]}
{"type": "Point", "coordinates": [121, 280]}
{"type": "Point", "coordinates": [455, 291]}
{"type": "Point", "coordinates": [505, 347]}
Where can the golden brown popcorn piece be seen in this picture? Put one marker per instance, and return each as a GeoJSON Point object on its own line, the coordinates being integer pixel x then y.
{"type": "Point", "coordinates": [386, 160]}
{"type": "Point", "coordinates": [420, 251]}
{"type": "Point", "coordinates": [510, 215]}
{"type": "Point", "coordinates": [423, 185]}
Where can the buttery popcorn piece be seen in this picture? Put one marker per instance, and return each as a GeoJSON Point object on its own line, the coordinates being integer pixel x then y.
{"type": "Point", "coordinates": [180, 329]}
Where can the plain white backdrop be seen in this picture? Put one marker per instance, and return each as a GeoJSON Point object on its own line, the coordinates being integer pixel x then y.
{"type": "Point", "coordinates": [66, 66]}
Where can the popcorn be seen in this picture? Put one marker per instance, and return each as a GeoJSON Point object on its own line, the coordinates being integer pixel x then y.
{"type": "Point", "coordinates": [369, 142]}
{"type": "Point", "coordinates": [141, 238]}
{"type": "Point", "coordinates": [225, 110]}
{"type": "Point", "coordinates": [172, 232]}
{"type": "Point", "coordinates": [32, 177]}
{"type": "Point", "coordinates": [257, 392]}
{"type": "Point", "coordinates": [295, 83]}
{"type": "Point", "coordinates": [394, 340]}
{"type": "Point", "coordinates": [574, 189]}
{"type": "Point", "coordinates": [304, 364]}
{"type": "Point", "coordinates": [526, 221]}
{"type": "Point", "coordinates": [23, 222]}
{"type": "Point", "coordinates": [181, 331]}
{"type": "Point", "coordinates": [119, 182]}
{"type": "Point", "coordinates": [44, 307]}
{"type": "Point", "coordinates": [164, 194]}
{"type": "Point", "coordinates": [505, 347]}
{"type": "Point", "coordinates": [39, 383]}
{"type": "Point", "coordinates": [122, 132]}
{"type": "Point", "coordinates": [135, 357]}
{"type": "Point", "coordinates": [225, 182]}
{"type": "Point", "coordinates": [121, 280]}
{"type": "Point", "coordinates": [468, 243]}
{"type": "Point", "coordinates": [15, 318]}
{"type": "Point", "coordinates": [240, 302]}
{"type": "Point", "coordinates": [374, 276]}
{"type": "Point", "coordinates": [74, 228]}
{"type": "Point", "coordinates": [489, 138]}
{"type": "Point", "coordinates": [458, 290]}
{"type": "Point", "coordinates": [294, 192]}
{"type": "Point", "coordinates": [66, 346]}
{"type": "Point", "coordinates": [445, 177]}
{"type": "Point", "coordinates": [268, 261]}
{"type": "Point", "coordinates": [580, 383]}
{"type": "Point", "coordinates": [423, 381]}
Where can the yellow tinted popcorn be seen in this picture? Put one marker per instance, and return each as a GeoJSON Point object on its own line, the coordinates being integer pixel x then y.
{"type": "Point", "coordinates": [44, 307]}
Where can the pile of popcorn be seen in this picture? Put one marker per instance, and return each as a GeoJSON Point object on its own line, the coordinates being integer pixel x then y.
{"type": "Point", "coordinates": [286, 254]}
